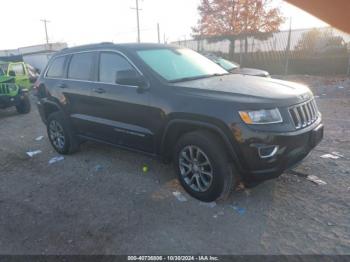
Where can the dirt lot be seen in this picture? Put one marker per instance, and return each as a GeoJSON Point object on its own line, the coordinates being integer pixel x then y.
{"type": "Point", "coordinates": [99, 201]}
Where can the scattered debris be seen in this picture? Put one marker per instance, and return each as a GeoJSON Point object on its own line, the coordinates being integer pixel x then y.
{"type": "Point", "coordinates": [317, 96]}
{"type": "Point", "coordinates": [293, 172]}
{"type": "Point", "coordinates": [180, 196]}
{"type": "Point", "coordinates": [221, 213]}
{"type": "Point", "coordinates": [338, 154]}
{"type": "Point", "coordinates": [33, 153]}
{"type": "Point", "coordinates": [240, 187]}
{"type": "Point", "coordinates": [330, 224]}
{"type": "Point", "coordinates": [39, 138]}
{"type": "Point", "coordinates": [56, 159]}
{"type": "Point", "coordinates": [98, 168]}
{"type": "Point", "coordinates": [210, 204]}
{"type": "Point", "coordinates": [240, 210]}
{"type": "Point", "coordinates": [144, 168]}
{"type": "Point", "coordinates": [316, 180]}
{"type": "Point", "coordinates": [329, 156]}
{"type": "Point", "coordinates": [340, 87]}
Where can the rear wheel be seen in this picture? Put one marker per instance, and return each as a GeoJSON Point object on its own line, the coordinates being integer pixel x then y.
{"type": "Point", "coordinates": [202, 166]}
{"type": "Point", "coordinates": [24, 106]}
{"type": "Point", "coordinates": [60, 134]}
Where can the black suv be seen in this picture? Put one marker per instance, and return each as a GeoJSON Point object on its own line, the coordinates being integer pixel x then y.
{"type": "Point", "coordinates": [217, 128]}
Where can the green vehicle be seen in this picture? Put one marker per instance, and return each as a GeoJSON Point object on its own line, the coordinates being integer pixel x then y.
{"type": "Point", "coordinates": [13, 94]}
{"type": "Point", "coordinates": [24, 74]}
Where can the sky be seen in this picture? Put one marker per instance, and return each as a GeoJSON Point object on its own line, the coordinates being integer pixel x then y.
{"type": "Point", "coordinates": [82, 22]}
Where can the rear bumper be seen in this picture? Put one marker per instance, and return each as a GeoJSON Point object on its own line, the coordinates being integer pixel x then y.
{"type": "Point", "coordinates": [290, 149]}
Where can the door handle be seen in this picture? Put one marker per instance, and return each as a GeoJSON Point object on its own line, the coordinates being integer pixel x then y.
{"type": "Point", "coordinates": [99, 90]}
{"type": "Point", "coordinates": [61, 85]}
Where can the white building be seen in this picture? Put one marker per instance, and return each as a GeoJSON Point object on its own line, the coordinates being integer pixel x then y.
{"type": "Point", "coordinates": [37, 55]}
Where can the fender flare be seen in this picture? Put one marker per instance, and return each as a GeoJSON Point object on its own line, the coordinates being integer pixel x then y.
{"type": "Point", "coordinates": [210, 126]}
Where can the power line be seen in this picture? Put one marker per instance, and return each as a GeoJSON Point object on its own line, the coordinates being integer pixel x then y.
{"type": "Point", "coordinates": [45, 24]}
{"type": "Point", "coordinates": [137, 20]}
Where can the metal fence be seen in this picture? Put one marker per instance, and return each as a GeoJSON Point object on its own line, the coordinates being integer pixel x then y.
{"type": "Point", "coordinates": [305, 51]}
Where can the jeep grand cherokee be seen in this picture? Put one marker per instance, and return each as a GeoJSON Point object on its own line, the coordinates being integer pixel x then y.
{"type": "Point", "coordinates": [217, 128]}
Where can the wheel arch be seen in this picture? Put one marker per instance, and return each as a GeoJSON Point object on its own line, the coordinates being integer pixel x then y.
{"type": "Point", "coordinates": [178, 127]}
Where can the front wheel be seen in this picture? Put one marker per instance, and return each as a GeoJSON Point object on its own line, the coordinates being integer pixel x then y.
{"type": "Point", "coordinates": [24, 105]}
{"type": "Point", "coordinates": [202, 166]}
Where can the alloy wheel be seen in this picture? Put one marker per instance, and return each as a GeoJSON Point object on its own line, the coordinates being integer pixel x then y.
{"type": "Point", "coordinates": [195, 168]}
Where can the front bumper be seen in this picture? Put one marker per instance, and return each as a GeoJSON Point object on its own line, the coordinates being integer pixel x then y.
{"type": "Point", "coordinates": [8, 101]}
{"type": "Point", "coordinates": [291, 149]}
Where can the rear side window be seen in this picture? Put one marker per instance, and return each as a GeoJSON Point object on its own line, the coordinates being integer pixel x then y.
{"type": "Point", "coordinates": [81, 66]}
{"type": "Point", "coordinates": [18, 69]}
{"type": "Point", "coordinates": [110, 64]}
{"type": "Point", "coordinates": [57, 68]}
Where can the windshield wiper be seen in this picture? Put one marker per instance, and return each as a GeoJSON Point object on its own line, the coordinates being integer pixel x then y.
{"type": "Point", "coordinates": [195, 77]}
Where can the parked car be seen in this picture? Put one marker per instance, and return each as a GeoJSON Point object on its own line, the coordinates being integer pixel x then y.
{"type": "Point", "coordinates": [235, 68]}
{"type": "Point", "coordinates": [217, 128]}
{"type": "Point", "coordinates": [24, 74]}
{"type": "Point", "coordinates": [13, 95]}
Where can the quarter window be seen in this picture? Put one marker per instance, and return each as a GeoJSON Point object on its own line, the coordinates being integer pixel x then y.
{"type": "Point", "coordinates": [81, 66]}
{"type": "Point", "coordinates": [57, 68]}
{"type": "Point", "coordinates": [110, 64]}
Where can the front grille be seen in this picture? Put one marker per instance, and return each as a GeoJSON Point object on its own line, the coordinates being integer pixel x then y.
{"type": "Point", "coordinates": [4, 89]}
{"type": "Point", "coordinates": [304, 114]}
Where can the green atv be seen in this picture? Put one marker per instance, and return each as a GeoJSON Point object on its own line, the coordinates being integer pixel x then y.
{"type": "Point", "coordinates": [11, 94]}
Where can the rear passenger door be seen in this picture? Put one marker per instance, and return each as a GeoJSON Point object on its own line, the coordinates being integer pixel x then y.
{"type": "Point", "coordinates": [122, 111]}
{"type": "Point", "coordinates": [77, 87]}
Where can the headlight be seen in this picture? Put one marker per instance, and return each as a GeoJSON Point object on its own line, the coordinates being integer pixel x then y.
{"type": "Point", "coordinates": [270, 116]}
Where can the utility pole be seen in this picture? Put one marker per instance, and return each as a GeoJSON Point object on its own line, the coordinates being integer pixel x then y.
{"type": "Point", "coordinates": [45, 22]}
{"type": "Point", "coordinates": [138, 20]}
{"type": "Point", "coordinates": [158, 30]}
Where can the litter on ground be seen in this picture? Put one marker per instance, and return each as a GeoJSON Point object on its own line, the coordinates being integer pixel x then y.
{"type": "Point", "coordinates": [33, 153]}
{"type": "Point", "coordinates": [240, 210]}
{"type": "Point", "coordinates": [144, 168]}
{"type": "Point", "coordinates": [180, 196]}
{"type": "Point", "coordinates": [98, 168]}
{"type": "Point", "coordinates": [329, 156]}
{"type": "Point", "coordinates": [56, 159]}
{"type": "Point", "coordinates": [39, 138]}
{"type": "Point", "coordinates": [338, 154]}
{"type": "Point", "coordinates": [210, 204]}
{"type": "Point", "coordinates": [316, 180]}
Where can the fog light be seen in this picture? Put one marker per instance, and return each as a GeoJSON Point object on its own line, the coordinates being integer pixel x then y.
{"type": "Point", "coordinates": [267, 151]}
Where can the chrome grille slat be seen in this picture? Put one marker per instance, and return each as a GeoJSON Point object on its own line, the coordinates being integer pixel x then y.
{"type": "Point", "coordinates": [304, 114]}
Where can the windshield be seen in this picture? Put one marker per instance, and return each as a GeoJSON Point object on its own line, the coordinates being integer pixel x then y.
{"type": "Point", "coordinates": [226, 64]}
{"type": "Point", "coordinates": [179, 64]}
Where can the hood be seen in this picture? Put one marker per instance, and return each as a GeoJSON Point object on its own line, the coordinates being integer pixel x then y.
{"type": "Point", "coordinates": [7, 79]}
{"type": "Point", "coordinates": [250, 87]}
{"type": "Point", "coordinates": [250, 71]}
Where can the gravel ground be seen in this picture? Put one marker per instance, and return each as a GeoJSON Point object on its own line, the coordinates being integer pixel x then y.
{"type": "Point", "coordinates": [99, 201]}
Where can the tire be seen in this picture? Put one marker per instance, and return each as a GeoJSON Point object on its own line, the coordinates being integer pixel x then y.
{"type": "Point", "coordinates": [24, 106]}
{"type": "Point", "coordinates": [60, 134]}
{"type": "Point", "coordinates": [223, 178]}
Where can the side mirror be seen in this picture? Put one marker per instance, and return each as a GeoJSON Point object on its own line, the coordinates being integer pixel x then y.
{"type": "Point", "coordinates": [130, 77]}
{"type": "Point", "coordinates": [12, 73]}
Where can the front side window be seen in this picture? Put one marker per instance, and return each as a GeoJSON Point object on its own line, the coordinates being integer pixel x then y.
{"type": "Point", "coordinates": [179, 64]}
{"type": "Point", "coordinates": [56, 69]}
{"type": "Point", "coordinates": [18, 69]}
{"type": "Point", "coordinates": [81, 66]}
{"type": "Point", "coordinates": [110, 64]}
